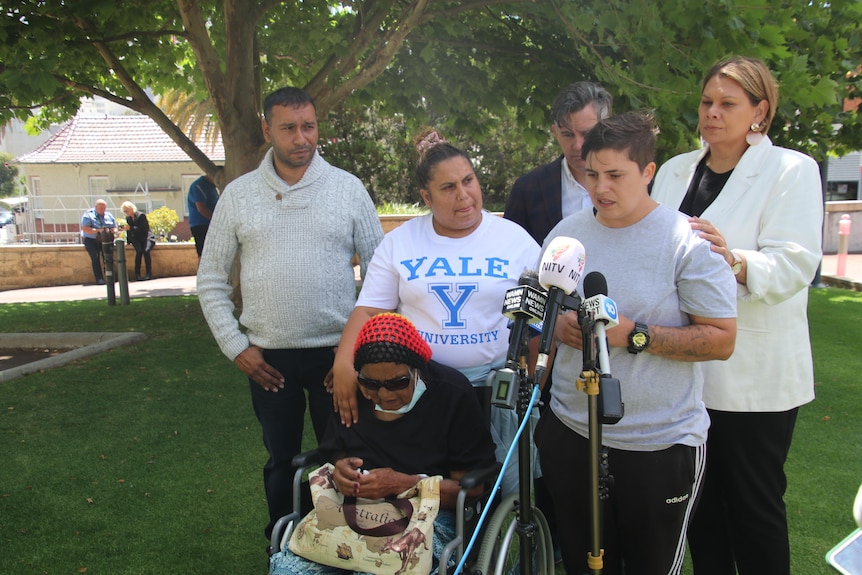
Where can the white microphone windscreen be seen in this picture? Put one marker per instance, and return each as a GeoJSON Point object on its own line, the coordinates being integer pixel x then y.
{"type": "Point", "coordinates": [562, 264]}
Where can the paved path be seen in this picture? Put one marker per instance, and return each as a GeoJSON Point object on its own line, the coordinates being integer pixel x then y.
{"type": "Point", "coordinates": [187, 285]}
{"type": "Point", "coordinates": [852, 278]}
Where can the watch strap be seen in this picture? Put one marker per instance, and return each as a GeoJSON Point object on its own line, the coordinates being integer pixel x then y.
{"type": "Point", "coordinates": [639, 338]}
{"type": "Point", "coordinates": [736, 266]}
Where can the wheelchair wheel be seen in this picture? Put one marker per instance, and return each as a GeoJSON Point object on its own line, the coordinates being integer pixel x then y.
{"type": "Point", "coordinates": [500, 551]}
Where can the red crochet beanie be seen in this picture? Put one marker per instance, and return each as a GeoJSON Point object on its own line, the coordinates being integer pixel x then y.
{"type": "Point", "coordinates": [390, 337]}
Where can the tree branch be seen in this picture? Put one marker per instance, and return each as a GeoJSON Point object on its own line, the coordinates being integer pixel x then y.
{"type": "Point", "coordinates": [469, 6]}
{"type": "Point", "coordinates": [151, 110]}
{"type": "Point", "coordinates": [140, 101]}
{"type": "Point", "coordinates": [376, 62]}
{"type": "Point", "coordinates": [143, 33]}
{"type": "Point", "coordinates": [208, 60]}
{"type": "Point", "coordinates": [369, 19]}
{"type": "Point", "coordinates": [591, 47]}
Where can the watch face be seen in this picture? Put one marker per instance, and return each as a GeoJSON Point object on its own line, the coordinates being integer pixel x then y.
{"type": "Point", "coordinates": [639, 339]}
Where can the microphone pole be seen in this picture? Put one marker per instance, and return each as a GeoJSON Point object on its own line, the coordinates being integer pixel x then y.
{"type": "Point", "coordinates": [590, 379]}
{"type": "Point", "coordinates": [597, 312]}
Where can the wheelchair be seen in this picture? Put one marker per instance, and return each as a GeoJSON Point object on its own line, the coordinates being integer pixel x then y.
{"type": "Point", "coordinates": [504, 536]}
{"type": "Point", "coordinates": [512, 538]}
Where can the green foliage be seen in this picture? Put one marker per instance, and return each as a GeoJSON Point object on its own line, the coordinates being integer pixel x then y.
{"type": "Point", "coordinates": [481, 71]}
{"type": "Point", "coordinates": [399, 209]}
{"type": "Point", "coordinates": [379, 151]}
{"type": "Point", "coordinates": [8, 175]}
{"type": "Point", "coordinates": [162, 220]}
{"type": "Point", "coordinates": [376, 149]}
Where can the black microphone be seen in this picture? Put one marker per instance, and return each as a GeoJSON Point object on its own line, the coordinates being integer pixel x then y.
{"type": "Point", "coordinates": [603, 311]}
{"type": "Point", "coordinates": [523, 304]}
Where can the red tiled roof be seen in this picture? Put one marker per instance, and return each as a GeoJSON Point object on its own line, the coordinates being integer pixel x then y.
{"type": "Point", "coordinates": [114, 139]}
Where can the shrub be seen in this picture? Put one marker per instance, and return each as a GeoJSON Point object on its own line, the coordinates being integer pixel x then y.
{"type": "Point", "coordinates": [162, 221]}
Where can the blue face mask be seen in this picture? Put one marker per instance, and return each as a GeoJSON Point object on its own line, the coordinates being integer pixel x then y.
{"type": "Point", "coordinates": [418, 390]}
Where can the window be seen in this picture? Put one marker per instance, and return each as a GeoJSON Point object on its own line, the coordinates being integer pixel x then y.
{"type": "Point", "coordinates": [838, 191]}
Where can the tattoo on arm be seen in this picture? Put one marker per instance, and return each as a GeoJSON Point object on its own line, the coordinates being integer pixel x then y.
{"type": "Point", "coordinates": [696, 342]}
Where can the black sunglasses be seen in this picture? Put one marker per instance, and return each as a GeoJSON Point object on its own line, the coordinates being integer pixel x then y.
{"type": "Point", "coordinates": [394, 384]}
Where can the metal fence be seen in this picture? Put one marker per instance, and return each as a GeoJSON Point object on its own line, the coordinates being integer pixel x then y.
{"type": "Point", "coordinates": [50, 219]}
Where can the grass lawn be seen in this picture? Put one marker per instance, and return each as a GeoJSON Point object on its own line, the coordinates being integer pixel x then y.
{"type": "Point", "coordinates": [147, 459]}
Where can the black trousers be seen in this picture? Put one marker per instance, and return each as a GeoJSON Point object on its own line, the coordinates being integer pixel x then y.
{"type": "Point", "coordinates": [645, 515]}
{"type": "Point", "coordinates": [282, 418]}
{"type": "Point", "coordinates": [143, 251]}
{"type": "Point", "coordinates": [94, 250]}
{"type": "Point", "coordinates": [199, 233]}
{"type": "Point", "coordinates": [740, 524]}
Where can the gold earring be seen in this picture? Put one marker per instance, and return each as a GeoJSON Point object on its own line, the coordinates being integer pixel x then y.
{"type": "Point", "coordinates": [754, 137]}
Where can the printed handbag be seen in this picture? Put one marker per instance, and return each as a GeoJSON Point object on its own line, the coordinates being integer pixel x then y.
{"type": "Point", "coordinates": [381, 536]}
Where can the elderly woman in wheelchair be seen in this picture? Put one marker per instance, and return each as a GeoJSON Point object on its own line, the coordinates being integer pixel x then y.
{"type": "Point", "coordinates": [418, 418]}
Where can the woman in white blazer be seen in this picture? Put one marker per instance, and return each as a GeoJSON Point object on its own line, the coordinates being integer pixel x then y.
{"type": "Point", "coordinates": [761, 207]}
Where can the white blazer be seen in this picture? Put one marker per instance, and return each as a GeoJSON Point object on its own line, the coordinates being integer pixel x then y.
{"type": "Point", "coordinates": [771, 212]}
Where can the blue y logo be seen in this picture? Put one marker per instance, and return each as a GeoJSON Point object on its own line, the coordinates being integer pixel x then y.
{"type": "Point", "coordinates": [444, 293]}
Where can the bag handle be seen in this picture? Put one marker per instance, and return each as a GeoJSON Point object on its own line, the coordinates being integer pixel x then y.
{"type": "Point", "coordinates": [385, 530]}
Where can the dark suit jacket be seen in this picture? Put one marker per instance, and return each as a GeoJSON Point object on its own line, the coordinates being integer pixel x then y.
{"type": "Point", "coordinates": [536, 200]}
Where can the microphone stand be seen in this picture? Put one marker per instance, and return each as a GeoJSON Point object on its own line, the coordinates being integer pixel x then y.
{"type": "Point", "coordinates": [526, 525]}
{"type": "Point", "coordinates": [588, 382]}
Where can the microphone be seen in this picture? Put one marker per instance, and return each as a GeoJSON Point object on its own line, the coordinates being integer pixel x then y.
{"type": "Point", "coordinates": [527, 298]}
{"type": "Point", "coordinates": [559, 273]}
{"type": "Point", "coordinates": [603, 310]}
{"type": "Point", "coordinates": [524, 303]}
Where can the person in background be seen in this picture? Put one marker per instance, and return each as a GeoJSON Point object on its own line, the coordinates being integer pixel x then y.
{"type": "Point", "coordinates": [762, 209]}
{"type": "Point", "coordinates": [677, 306]}
{"type": "Point", "coordinates": [97, 224]}
{"type": "Point", "coordinates": [201, 203]}
{"type": "Point", "coordinates": [401, 390]}
{"type": "Point", "coordinates": [141, 237]}
{"type": "Point", "coordinates": [541, 198]}
{"type": "Point", "coordinates": [448, 271]}
{"type": "Point", "coordinates": [296, 223]}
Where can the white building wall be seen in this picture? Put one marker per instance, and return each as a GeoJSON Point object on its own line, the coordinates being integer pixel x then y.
{"type": "Point", "coordinates": [64, 191]}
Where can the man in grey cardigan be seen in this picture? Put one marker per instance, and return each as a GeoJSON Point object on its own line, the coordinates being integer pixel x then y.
{"type": "Point", "coordinates": [296, 223]}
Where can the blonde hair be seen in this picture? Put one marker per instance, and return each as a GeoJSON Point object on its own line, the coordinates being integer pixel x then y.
{"type": "Point", "coordinates": [755, 78]}
{"type": "Point", "coordinates": [129, 205]}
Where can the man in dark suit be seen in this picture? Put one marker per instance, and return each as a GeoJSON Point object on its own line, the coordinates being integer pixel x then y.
{"type": "Point", "coordinates": [543, 197]}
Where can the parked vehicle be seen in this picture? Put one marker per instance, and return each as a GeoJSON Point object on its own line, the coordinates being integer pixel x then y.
{"type": "Point", "coordinates": [6, 217]}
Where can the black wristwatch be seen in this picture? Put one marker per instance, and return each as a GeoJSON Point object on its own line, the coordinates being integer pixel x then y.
{"type": "Point", "coordinates": [639, 338]}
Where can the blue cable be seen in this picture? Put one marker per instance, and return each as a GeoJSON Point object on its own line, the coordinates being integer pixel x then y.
{"type": "Point", "coordinates": [512, 447]}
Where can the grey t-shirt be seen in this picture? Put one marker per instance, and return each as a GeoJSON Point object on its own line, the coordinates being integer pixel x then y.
{"type": "Point", "coordinates": [658, 271]}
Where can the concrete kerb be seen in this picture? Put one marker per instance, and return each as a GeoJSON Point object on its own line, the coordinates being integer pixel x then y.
{"type": "Point", "coordinates": [80, 345]}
